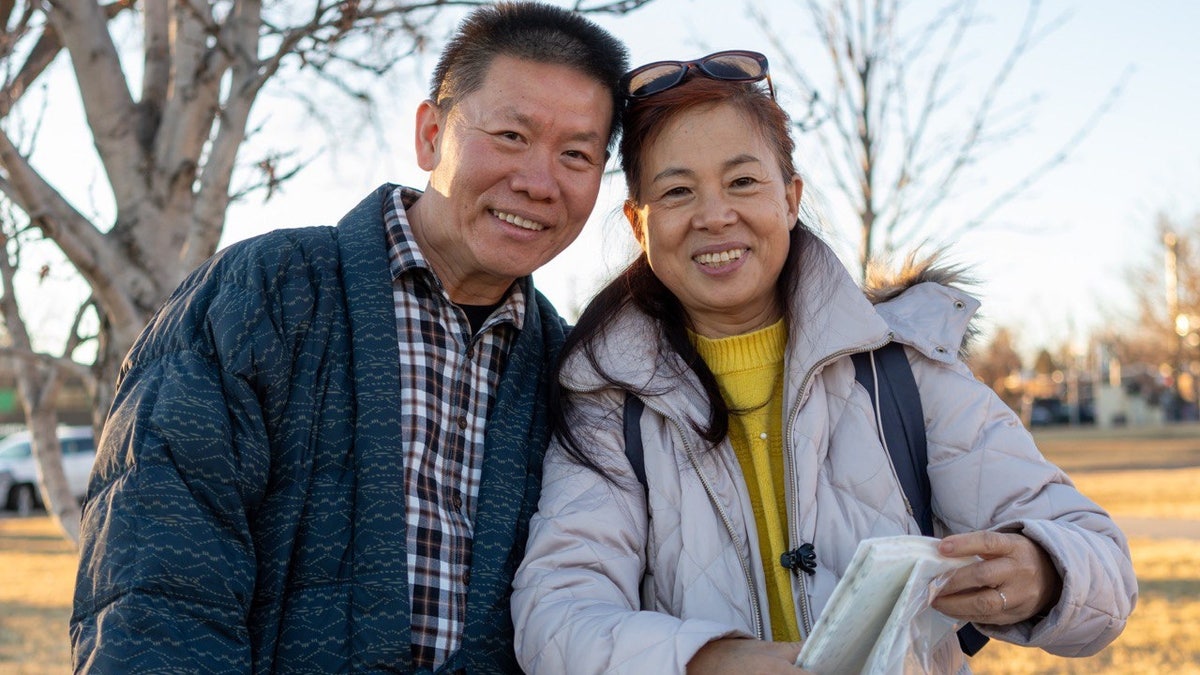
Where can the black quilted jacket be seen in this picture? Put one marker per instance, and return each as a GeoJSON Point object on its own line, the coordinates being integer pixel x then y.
{"type": "Point", "coordinates": [246, 510]}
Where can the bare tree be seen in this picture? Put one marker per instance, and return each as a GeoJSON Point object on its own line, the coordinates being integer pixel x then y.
{"type": "Point", "coordinates": [887, 111]}
{"type": "Point", "coordinates": [996, 363]}
{"type": "Point", "coordinates": [1165, 335]}
{"type": "Point", "coordinates": [168, 142]}
{"type": "Point", "coordinates": [39, 379]}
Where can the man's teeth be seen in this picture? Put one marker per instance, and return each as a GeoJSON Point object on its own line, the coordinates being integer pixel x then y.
{"type": "Point", "coordinates": [718, 259]}
{"type": "Point", "coordinates": [520, 222]}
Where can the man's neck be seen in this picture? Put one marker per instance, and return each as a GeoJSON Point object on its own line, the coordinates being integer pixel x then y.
{"type": "Point", "coordinates": [461, 287]}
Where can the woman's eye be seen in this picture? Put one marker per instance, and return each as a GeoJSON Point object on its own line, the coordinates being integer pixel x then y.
{"type": "Point", "coordinates": [744, 181]}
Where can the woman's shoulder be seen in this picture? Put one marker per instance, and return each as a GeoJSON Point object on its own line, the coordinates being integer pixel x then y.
{"type": "Point", "coordinates": [626, 350]}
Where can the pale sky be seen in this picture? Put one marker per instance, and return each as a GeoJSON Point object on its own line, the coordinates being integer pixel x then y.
{"type": "Point", "coordinates": [1052, 260]}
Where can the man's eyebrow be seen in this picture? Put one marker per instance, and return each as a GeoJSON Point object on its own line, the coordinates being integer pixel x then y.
{"type": "Point", "coordinates": [519, 117]}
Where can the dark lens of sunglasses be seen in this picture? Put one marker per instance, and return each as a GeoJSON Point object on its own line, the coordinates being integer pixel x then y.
{"type": "Point", "coordinates": [733, 67]}
{"type": "Point", "coordinates": [654, 80]}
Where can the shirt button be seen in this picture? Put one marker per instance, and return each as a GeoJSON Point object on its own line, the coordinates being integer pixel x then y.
{"type": "Point", "coordinates": [763, 435]}
{"type": "Point", "coordinates": [456, 500]}
{"type": "Point", "coordinates": [466, 578]}
{"type": "Point", "coordinates": [462, 421]}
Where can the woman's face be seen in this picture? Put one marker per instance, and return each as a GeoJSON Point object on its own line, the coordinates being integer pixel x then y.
{"type": "Point", "coordinates": [714, 217]}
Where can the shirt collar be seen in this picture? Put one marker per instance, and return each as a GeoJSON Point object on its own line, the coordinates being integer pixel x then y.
{"type": "Point", "coordinates": [405, 257]}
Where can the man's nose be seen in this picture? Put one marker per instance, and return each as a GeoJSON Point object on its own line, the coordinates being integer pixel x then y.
{"type": "Point", "coordinates": [536, 176]}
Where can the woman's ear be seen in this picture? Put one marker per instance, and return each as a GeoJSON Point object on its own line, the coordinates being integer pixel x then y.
{"type": "Point", "coordinates": [794, 190]}
{"type": "Point", "coordinates": [634, 216]}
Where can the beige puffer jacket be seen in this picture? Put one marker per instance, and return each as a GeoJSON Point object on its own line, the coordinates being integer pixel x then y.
{"type": "Point", "coordinates": [576, 596]}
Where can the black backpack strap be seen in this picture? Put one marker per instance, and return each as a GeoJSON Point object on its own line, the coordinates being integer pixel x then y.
{"type": "Point", "coordinates": [903, 422]}
{"type": "Point", "coordinates": [970, 640]}
{"type": "Point", "coordinates": [633, 439]}
{"type": "Point", "coordinates": [637, 459]}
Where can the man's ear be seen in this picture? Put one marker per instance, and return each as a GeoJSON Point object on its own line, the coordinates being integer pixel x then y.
{"type": "Point", "coordinates": [634, 216]}
{"type": "Point", "coordinates": [794, 190]}
{"type": "Point", "coordinates": [430, 125]}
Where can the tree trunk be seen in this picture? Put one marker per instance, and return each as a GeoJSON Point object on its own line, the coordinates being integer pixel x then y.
{"type": "Point", "coordinates": [47, 453]}
{"type": "Point", "coordinates": [38, 382]}
{"type": "Point", "coordinates": [112, 347]}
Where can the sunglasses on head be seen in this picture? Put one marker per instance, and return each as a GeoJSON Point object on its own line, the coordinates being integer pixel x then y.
{"type": "Point", "coordinates": [734, 65]}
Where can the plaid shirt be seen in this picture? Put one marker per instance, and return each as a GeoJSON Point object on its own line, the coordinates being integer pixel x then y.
{"type": "Point", "coordinates": [448, 379]}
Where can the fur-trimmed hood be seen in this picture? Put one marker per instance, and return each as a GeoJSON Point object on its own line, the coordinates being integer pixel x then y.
{"type": "Point", "coordinates": [885, 283]}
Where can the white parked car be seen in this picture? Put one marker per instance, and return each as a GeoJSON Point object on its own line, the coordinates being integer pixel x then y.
{"type": "Point", "coordinates": [18, 472]}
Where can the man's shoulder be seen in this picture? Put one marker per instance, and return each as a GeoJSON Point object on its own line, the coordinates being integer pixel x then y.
{"type": "Point", "coordinates": [266, 261]}
{"type": "Point", "coordinates": [277, 246]}
{"type": "Point", "coordinates": [320, 244]}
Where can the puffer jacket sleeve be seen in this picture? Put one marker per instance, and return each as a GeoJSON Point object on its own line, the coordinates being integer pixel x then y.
{"type": "Point", "coordinates": [167, 560]}
{"type": "Point", "coordinates": [576, 596]}
{"type": "Point", "coordinates": [987, 474]}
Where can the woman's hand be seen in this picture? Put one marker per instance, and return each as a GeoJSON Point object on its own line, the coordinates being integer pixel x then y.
{"type": "Point", "coordinates": [1014, 581]}
{"type": "Point", "coordinates": [745, 657]}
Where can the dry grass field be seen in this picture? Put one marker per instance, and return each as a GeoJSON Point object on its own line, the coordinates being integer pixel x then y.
{"type": "Point", "coordinates": [35, 597]}
{"type": "Point", "coordinates": [1131, 473]}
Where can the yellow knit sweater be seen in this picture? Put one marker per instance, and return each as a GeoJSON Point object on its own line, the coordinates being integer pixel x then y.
{"type": "Point", "coordinates": [749, 371]}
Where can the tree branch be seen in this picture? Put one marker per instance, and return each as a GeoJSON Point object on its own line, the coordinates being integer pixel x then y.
{"type": "Point", "coordinates": [156, 69]}
{"type": "Point", "coordinates": [191, 106]}
{"type": "Point", "coordinates": [913, 139]}
{"type": "Point", "coordinates": [1054, 160]}
{"type": "Point", "coordinates": [42, 54]}
{"type": "Point", "coordinates": [1028, 37]}
{"type": "Point", "coordinates": [82, 372]}
{"type": "Point", "coordinates": [617, 7]}
{"type": "Point", "coordinates": [82, 25]}
{"type": "Point", "coordinates": [79, 370]}
{"type": "Point", "coordinates": [86, 248]}
{"type": "Point", "coordinates": [240, 34]}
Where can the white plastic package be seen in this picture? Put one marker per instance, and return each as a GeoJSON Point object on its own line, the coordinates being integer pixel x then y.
{"type": "Point", "coordinates": [878, 619]}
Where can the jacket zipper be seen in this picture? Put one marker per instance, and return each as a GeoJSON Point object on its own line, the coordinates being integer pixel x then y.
{"type": "Point", "coordinates": [755, 602]}
{"type": "Point", "coordinates": [793, 498]}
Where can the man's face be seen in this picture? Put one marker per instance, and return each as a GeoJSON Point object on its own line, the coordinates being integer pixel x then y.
{"type": "Point", "coordinates": [515, 168]}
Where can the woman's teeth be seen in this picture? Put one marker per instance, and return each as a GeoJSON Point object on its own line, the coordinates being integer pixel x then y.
{"type": "Point", "coordinates": [719, 259]}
